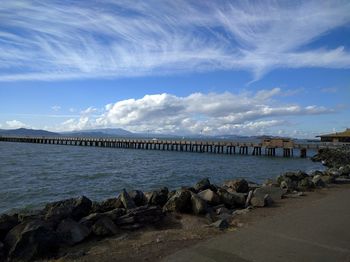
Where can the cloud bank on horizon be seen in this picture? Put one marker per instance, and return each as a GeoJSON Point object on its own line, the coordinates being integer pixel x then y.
{"type": "Point", "coordinates": [245, 113]}
{"type": "Point", "coordinates": [55, 40]}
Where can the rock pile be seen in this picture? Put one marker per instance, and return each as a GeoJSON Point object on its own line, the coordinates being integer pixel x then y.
{"type": "Point", "coordinates": [333, 157]}
{"type": "Point", "coordinates": [26, 237]}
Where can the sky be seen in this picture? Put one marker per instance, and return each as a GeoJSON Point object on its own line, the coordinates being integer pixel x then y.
{"type": "Point", "coordinates": [176, 67]}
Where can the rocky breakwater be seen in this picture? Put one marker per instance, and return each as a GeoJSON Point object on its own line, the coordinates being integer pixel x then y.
{"type": "Point", "coordinates": [42, 233]}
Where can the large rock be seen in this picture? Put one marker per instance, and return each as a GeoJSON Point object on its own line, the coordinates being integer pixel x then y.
{"type": "Point", "coordinates": [344, 170]}
{"type": "Point", "coordinates": [2, 251]}
{"type": "Point", "coordinates": [287, 184]}
{"type": "Point", "coordinates": [104, 227]}
{"type": "Point", "coordinates": [138, 197]}
{"type": "Point", "coordinates": [305, 184]}
{"type": "Point", "coordinates": [127, 201]}
{"type": "Point", "coordinates": [210, 196]}
{"type": "Point", "coordinates": [275, 193]}
{"type": "Point", "coordinates": [261, 201]}
{"type": "Point", "coordinates": [72, 232]}
{"type": "Point", "coordinates": [231, 200]}
{"type": "Point", "coordinates": [112, 214]}
{"type": "Point", "coordinates": [7, 222]}
{"type": "Point", "coordinates": [199, 206]}
{"type": "Point", "coordinates": [318, 182]}
{"type": "Point", "coordinates": [296, 176]}
{"type": "Point", "coordinates": [74, 208]}
{"type": "Point", "coordinates": [31, 240]}
{"type": "Point", "coordinates": [202, 185]}
{"type": "Point", "coordinates": [179, 202]}
{"type": "Point", "coordinates": [239, 185]}
{"type": "Point", "coordinates": [106, 205]}
{"type": "Point", "coordinates": [328, 179]}
{"type": "Point", "coordinates": [158, 197]}
{"type": "Point", "coordinates": [140, 216]}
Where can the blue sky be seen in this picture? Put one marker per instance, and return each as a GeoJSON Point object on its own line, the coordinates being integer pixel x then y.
{"type": "Point", "coordinates": [182, 67]}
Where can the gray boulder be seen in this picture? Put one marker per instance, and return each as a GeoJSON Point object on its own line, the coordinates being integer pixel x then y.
{"type": "Point", "coordinates": [112, 214]}
{"type": "Point", "coordinates": [104, 227]}
{"type": "Point", "coordinates": [74, 208]}
{"type": "Point", "coordinates": [239, 185]}
{"type": "Point", "coordinates": [231, 200]}
{"type": "Point", "coordinates": [72, 232]}
{"type": "Point", "coordinates": [2, 252]}
{"type": "Point", "coordinates": [299, 175]}
{"type": "Point", "coordinates": [7, 223]}
{"type": "Point", "coordinates": [127, 201]}
{"type": "Point", "coordinates": [305, 184]}
{"type": "Point", "coordinates": [318, 182]}
{"type": "Point", "coordinates": [275, 193]}
{"type": "Point", "coordinates": [179, 202]}
{"type": "Point", "coordinates": [316, 172]}
{"type": "Point", "coordinates": [202, 185]}
{"type": "Point", "coordinates": [261, 201]}
{"type": "Point", "coordinates": [328, 179]}
{"type": "Point", "coordinates": [249, 198]}
{"type": "Point", "coordinates": [139, 217]}
{"type": "Point", "coordinates": [158, 197]}
{"type": "Point", "coordinates": [199, 206]}
{"type": "Point", "coordinates": [287, 183]}
{"type": "Point", "coordinates": [31, 240]}
{"type": "Point", "coordinates": [344, 170]}
{"type": "Point", "coordinates": [209, 196]}
{"type": "Point", "coordinates": [106, 205]}
{"type": "Point", "coordinates": [138, 197]}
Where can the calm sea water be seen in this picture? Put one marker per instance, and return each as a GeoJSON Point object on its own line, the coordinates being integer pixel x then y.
{"type": "Point", "coordinates": [33, 174]}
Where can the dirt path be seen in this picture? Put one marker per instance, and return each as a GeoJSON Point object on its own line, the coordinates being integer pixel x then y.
{"type": "Point", "coordinates": [313, 228]}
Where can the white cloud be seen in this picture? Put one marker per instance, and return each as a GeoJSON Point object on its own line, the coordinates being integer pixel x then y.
{"type": "Point", "coordinates": [113, 39]}
{"type": "Point", "coordinates": [13, 124]}
{"type": "Point", "coordinates": [56, 108]}
{"type": "Point", "coordinates": [198, 113]}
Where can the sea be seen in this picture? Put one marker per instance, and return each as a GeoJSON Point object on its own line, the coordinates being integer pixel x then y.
{"type": "Point", "coordinates": [32, 175]}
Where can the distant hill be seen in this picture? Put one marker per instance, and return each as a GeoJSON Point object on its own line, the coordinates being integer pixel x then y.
{"type": "Point", "coordinates": [105, 132]}
{"type": "Point", "coordinates": [26, 132]}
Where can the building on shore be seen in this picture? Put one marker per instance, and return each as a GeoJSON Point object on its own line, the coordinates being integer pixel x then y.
{"type": "Point", "coordinates": [343, 137]}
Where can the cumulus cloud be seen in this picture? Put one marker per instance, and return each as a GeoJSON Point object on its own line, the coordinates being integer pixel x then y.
{"type": "Point", "coordinates": [113, 39]}
{"type": "Point", "coordinates": [13, 124]}
{"type": "Point", "coordinates": [197, 113]}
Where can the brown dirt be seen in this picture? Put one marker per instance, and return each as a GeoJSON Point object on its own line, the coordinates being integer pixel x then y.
{"type": "Point", "coordinates": [175, 233]}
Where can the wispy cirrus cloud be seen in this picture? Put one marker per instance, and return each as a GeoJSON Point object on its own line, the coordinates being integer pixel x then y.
{"type": "Point", "coordinates": [110, 39]}
{"type": "Point", "coordinates": [197, 113]}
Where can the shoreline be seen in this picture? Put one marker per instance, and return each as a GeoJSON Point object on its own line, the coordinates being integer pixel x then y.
{"type": "Point", "coordinates": [203, 209]}
{"type": "Point", "coordinates": [166, 243]}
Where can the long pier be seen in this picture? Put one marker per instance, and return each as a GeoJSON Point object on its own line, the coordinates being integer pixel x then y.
{"type": "Point", "coordinates": [216, 147]}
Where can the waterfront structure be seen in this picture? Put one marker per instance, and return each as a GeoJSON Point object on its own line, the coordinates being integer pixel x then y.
{"type": "Point", "coordinates": [342, 137]}
{"type": "Point", "coordinates": [218, 147]}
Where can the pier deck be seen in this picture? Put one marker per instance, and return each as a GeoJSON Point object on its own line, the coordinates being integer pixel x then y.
{"type": "Point", "coordinates": [217, 147]}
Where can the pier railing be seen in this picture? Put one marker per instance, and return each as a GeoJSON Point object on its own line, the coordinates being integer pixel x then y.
{"type": "Point", "coordinates": [218, 147]}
